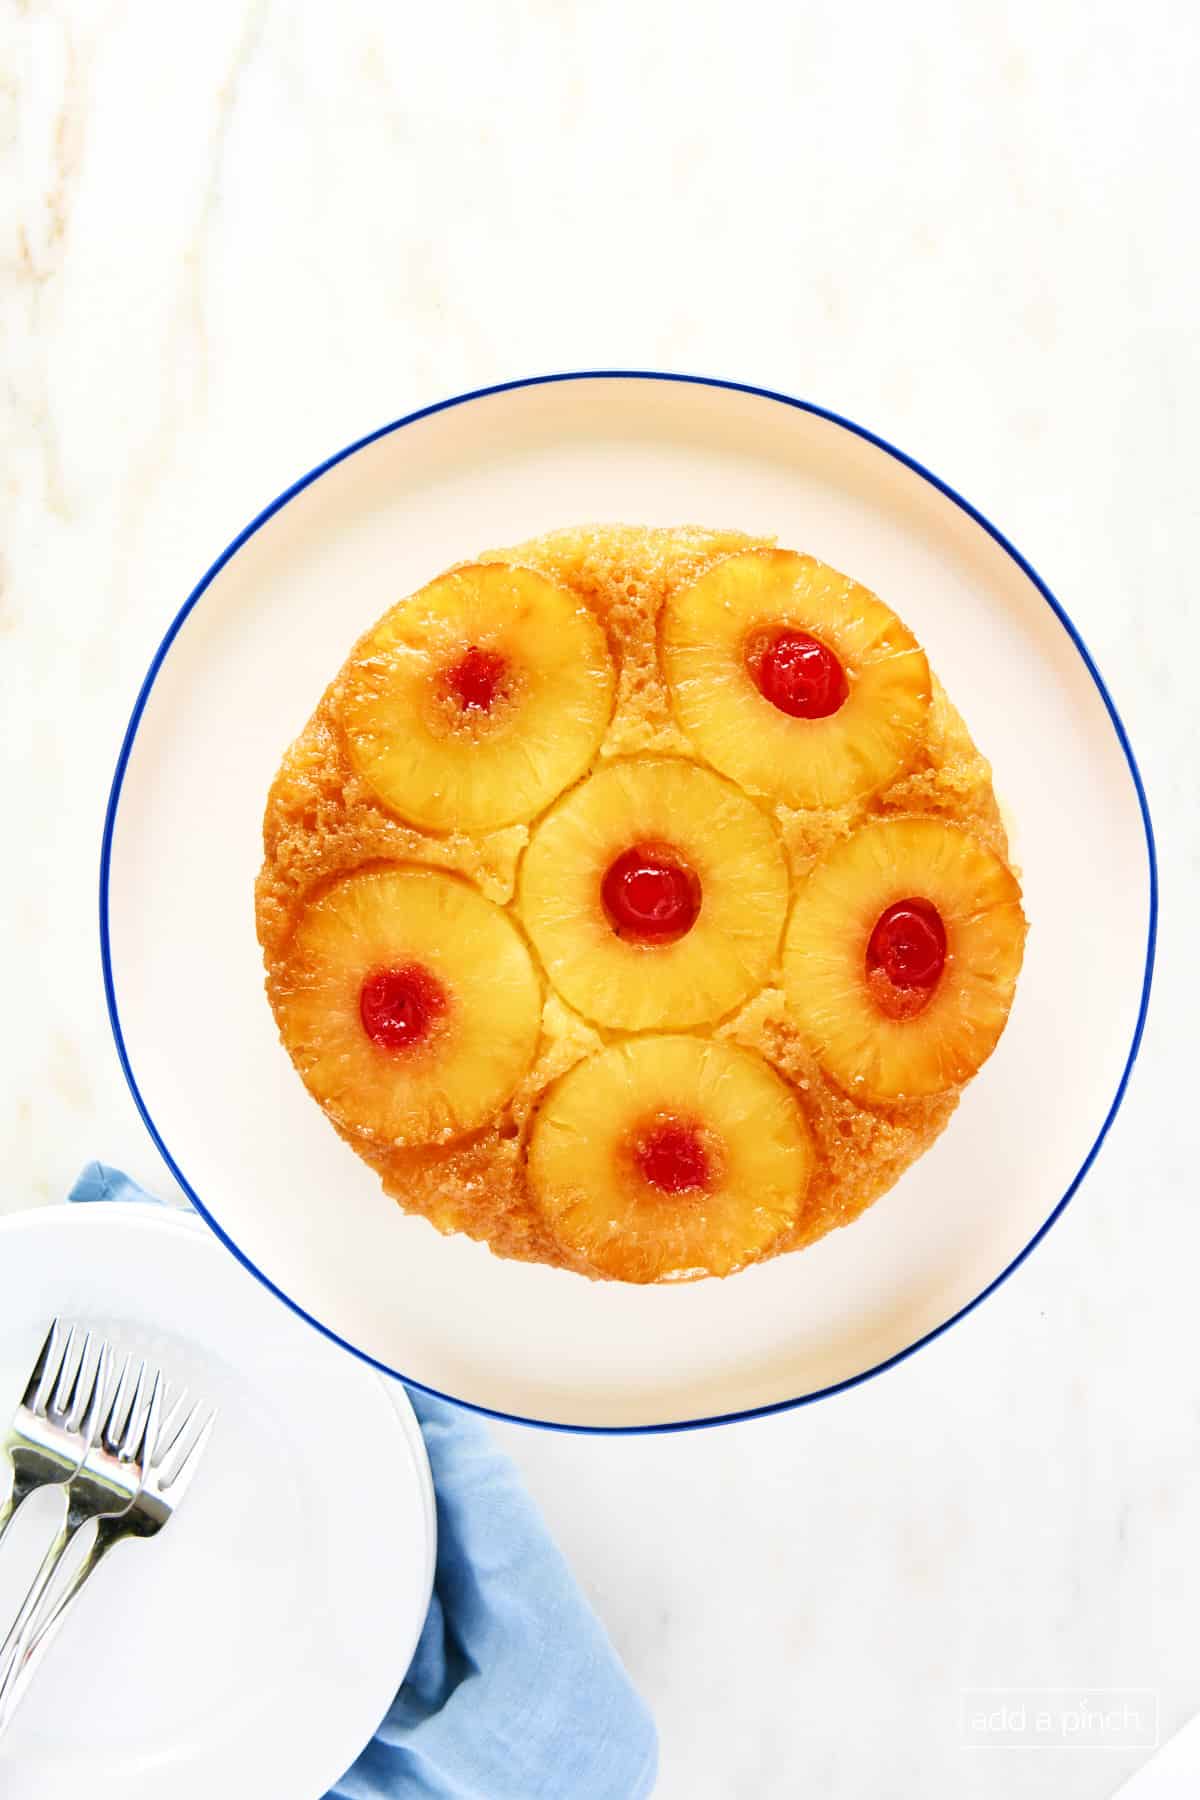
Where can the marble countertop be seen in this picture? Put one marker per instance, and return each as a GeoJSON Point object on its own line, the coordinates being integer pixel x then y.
{"type": "Point", "coordinates": [239, 235]}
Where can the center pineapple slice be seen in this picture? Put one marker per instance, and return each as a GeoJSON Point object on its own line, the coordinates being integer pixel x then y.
{"type": "Point", "coordinates": [409, 1004]}
{"type": "Point", "coordinates": [902, 955]}
{"type": "Point", "coordinates": [477, 700]}
{"type": "Point", "coordinates": [793, 679]}
{"type": "Point", "coordinates": [655, 895]}
{"type": "Point", "coordinates": [670, 1156]}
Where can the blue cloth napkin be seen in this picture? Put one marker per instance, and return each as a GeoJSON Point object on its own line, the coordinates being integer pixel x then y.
{"type": "Point", "coordinates": [515, 1692]}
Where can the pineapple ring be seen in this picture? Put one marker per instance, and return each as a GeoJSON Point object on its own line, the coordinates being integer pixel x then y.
{"type": "Point", "coordinates": [721, 836]}
{"type": "Point", "coordinates": [476, 754]}
{"type": "Point", "coordinates": [584, 1168]}
{"type": "Point", "coordinates": [487, 1019]}
{"type": "Point", "coordinates": [871, 1055]}
{"type": "Point", "coordinates": [805, 762]}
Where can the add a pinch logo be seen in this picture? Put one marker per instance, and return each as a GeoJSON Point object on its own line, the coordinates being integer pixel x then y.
{"type": "Point", "coordinates": [1060, 1719]}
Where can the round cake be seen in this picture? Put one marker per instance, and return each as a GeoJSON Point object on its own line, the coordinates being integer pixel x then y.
{"type": "Point", "coordinates": [636, 901]}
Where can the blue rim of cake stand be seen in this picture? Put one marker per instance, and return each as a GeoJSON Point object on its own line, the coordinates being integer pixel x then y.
{"type": "Point", "coordinates": [739, 387]}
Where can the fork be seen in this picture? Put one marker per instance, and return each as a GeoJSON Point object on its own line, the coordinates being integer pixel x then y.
{"type": "Point", "coordinates": [107, 1481]}
{"type": "Point", "coordinates": [171, 1456]}
{"type": "Point", "coordinates": [47, 1440]}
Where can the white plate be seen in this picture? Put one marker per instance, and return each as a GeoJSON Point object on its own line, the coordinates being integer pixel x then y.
{"type": "Point", "coordinates": [237, 676]}
{"type": "Point", "coordinates": [254, 1647]}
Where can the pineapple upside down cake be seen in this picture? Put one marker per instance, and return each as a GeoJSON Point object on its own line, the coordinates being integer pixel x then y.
{"type": "Point", "coordinates": [636, 901]}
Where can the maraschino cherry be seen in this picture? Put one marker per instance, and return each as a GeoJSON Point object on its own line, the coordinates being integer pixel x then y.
{"type": "Point", "coordinates": [672, 1158]}
{"type": "Point", "coordinates": [797, 673]}
{"type": "Point", "coordinates": [651, 895]}
{"type": "Point", "coordinates": [909, 945]}
{"type": "Point", "coordinates": [399, 1007]}
{"type": "Point", "coordinates": [475, 680]}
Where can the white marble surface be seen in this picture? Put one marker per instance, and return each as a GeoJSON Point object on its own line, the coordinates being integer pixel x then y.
{"type": "Point", "coordinates": [236, 236]}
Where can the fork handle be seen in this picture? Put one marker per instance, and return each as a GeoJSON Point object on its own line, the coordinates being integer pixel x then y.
{"type": "Point", "coordinates": [18, 1494]}
{"type": "Point", "coordinates": [39, 1633]}
{"type": "Point", "coordinates": [11, 1647]}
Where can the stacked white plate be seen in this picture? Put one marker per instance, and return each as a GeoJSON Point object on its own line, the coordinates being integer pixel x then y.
{"type": "Point", "coordinates": [267, 1628]}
